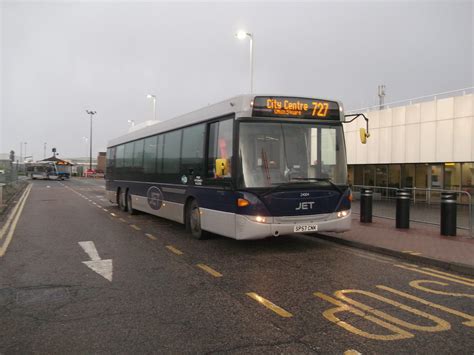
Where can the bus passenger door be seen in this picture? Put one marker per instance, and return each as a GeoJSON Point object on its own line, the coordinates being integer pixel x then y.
{"type": "Point", "coordinates": [218, 196]}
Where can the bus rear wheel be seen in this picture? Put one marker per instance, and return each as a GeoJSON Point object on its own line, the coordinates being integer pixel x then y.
{"type": "Point", "coordinates": [193, 221]}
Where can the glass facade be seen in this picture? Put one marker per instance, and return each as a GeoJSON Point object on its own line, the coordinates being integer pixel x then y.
{"type": "Point", "coordinates": [447, 176]}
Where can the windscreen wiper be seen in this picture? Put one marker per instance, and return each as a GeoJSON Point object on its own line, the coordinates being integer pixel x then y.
{"type": "Point", "coordinates": [328, 180]}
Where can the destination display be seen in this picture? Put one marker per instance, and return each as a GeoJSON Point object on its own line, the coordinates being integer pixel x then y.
{"type": "Point", "coordinates": [295, 107]}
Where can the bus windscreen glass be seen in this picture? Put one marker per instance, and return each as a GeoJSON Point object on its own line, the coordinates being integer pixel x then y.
{"type": "Point", "coordinates": [294, 107]}
{"type": "Point", "coordinates": [273, 153]}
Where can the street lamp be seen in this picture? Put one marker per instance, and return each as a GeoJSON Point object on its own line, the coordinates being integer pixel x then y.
{"type": "Point", "coordinates": [150, 96]}
{"type": "Point", "coordinates": [242, 35]}
{"type": "Point", "coordinates": [91, 114]}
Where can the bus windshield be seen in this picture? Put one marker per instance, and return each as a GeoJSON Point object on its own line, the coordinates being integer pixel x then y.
{"type": "Point", "coordinates": [274, 153]}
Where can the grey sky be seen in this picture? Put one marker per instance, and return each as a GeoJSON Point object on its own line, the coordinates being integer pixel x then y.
{"type": "Point", "coordinates": [58, 59]}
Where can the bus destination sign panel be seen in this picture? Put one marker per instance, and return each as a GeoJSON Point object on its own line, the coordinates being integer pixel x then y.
{"type": "Point", "coordinates": [295, 107]}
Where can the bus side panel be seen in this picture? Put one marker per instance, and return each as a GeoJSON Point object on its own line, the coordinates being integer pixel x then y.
{"type": "Point", "coordinates": [218, 209]}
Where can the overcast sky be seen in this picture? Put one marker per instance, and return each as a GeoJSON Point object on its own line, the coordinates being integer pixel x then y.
{"type": "Point", "coordinates": [59, 59]}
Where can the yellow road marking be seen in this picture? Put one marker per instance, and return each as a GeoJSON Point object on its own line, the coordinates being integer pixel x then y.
{"type": "Point", "coordinates": [137, 228]}
{"type": "Point", "coordinates": [150, 236]}
{"type": "Point", "coordinates": [12, 215]}
{"type": "Point", "coordinates": [411, 252]}
{"type": "Point", "coordinates": [113, 214]}
{"type": "Point", "coordinates": [352, 352]}
{"type": "Point", "coordinates": [373, 258]}
{"type": "Point", "coordinates": [435, 275]}
{"type": "Point", "coordinates": [271, 306]}
{"type": "Point", "coordinates": [209, 270]}
{"type": "Point", "coordinates": [440, 324]}
{"type": "Point", "coordinates": [417, 284]}
{"type": "Point", "coordinates": [469, 323]}
{"type": "Point", "coordinates": [9, 237]}
{"type": "Point", "coordinates": [330, 314]}
{"type": "Point", "coordinates": [448, 274]}
{"type": "Point", "coordinates": [174, 250]}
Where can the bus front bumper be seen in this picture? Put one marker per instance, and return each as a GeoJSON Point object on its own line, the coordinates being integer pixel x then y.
{"type": "Point", "coordinates": [247, 227]}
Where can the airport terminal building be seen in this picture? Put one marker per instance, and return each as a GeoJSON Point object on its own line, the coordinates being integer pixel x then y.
{"type": "Point", "coordinates": [424, 144]}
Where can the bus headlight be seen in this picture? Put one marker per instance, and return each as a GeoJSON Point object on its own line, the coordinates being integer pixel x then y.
{"type": "Point", "coordinates": [259, 219]}
{"type": "Point", "coordinates": [341, 214]}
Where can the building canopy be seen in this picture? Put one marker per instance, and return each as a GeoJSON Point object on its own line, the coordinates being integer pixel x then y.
{"type": "Point", "coordinates": [57, 161]}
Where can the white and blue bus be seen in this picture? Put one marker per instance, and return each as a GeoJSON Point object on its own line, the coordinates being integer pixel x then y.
{"type": "Point", "coordinates": [246, 168]}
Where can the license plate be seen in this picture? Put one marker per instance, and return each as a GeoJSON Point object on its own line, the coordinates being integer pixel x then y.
{"type": "Point", "coordinates": [299, 228]}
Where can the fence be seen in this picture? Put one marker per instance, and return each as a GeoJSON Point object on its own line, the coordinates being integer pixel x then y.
{"type": "Point", "coordinates": [426, 205]}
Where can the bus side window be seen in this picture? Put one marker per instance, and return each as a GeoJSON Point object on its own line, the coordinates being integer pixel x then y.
{"type": "Point", "coordinates": [220, 147]}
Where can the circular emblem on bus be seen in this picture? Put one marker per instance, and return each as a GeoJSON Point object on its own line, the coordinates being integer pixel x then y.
{"type": "Point", "coordinates": [184, 179]}
{"type": "Point", "coordinates": [154, 197]}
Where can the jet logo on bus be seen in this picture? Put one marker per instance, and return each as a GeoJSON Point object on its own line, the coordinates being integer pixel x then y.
{"type": "Point", "coordinates": [305, 206]}
{"type": "Point", "coordinates": [154, 197]}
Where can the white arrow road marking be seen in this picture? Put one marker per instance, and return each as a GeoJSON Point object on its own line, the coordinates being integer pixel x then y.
{"type": "Point", "coordinates": [102, 267]}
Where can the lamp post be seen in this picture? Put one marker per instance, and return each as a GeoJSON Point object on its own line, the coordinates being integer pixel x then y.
{"type": "Point", "coordinates": [242, 35]}
{"type": "Point", "coordinates": [151, 96]}
{"type": "Point", "coordinates": [91, 114]}
{"type": "Point", "coordinates": [25, 148]}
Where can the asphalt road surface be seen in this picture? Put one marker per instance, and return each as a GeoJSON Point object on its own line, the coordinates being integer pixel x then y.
{"type": "Point", "coordinates": [80, 276]}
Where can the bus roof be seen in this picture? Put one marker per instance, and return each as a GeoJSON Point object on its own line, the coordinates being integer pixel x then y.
{"type": "Point", "coordinates": [240, 105]}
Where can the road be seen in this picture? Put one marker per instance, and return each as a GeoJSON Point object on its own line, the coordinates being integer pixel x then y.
{"type": "Point", "coordinates": [80, 276]}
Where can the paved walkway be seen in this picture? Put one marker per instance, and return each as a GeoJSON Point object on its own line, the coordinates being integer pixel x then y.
{"type": "Point", "coordinates": [420, 241]}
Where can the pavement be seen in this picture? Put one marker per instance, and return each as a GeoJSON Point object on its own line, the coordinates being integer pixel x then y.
{"type": "Point", "coordinates": [79, 276]}
{"type": "Point", "coordinates": [421, 242]}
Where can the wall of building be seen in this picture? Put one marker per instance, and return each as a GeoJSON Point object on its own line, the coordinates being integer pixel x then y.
{"type": "Point", "coordinates": [436, 131]}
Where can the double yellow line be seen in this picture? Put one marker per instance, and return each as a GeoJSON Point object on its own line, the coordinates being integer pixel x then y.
{"type": "Point", "coordinates": [10, 225]}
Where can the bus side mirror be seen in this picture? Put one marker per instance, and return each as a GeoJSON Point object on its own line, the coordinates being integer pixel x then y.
{"type": "Point", "coordinates": [363, 135]}
{"type": "Point", "coordinates": [221, 167]}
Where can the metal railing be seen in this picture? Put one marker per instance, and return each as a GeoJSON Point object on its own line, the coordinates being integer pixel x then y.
{"type": "Point", "coordinates": [426, 204]}
{"type": "Point", "coordinates": [411, 101]}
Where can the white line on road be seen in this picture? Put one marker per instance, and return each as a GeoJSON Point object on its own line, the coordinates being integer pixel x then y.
{"type": "Point", "coordinates": [90, 249]}
{"type": "Point", "coordinates": [103, 267]}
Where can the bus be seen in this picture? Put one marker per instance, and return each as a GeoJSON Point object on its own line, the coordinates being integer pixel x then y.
{"type": "Point", "coordinates": [42, 171]}
{"type": "Point", "coordinates": [249, 167]}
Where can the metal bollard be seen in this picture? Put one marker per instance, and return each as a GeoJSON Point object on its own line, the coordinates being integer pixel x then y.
{"type": "Point", "coordinates": [366, 205]}
{"type": "Point", "coordinates": [448, 213]}
{"type": "Point", "coordinates": [403, 209]}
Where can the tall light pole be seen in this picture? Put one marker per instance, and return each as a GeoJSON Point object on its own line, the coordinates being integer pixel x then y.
{"type": "Point", "coordinates": [242, 35]}
{"type": "Point", "coordinates": [381, 94]}
{"type": "Point", "coordinates": [25, 148]}
{"type": "Point", "coordinates": [85, 140]}
{"type": "Point", "coordinates": [151, 96]}
{"type": "Point", "coordinates": [91, 114]}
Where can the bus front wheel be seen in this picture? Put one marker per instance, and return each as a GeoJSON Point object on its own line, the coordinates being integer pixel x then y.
{"type": "Point", "coordinates": [193, 220]}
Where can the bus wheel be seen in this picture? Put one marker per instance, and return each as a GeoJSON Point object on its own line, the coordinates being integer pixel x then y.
{"type": "Point", "coordinates": [122, 201]}
{"type": "Point", "coordinates": [130, 208]}
{"type": "Point", "coordinates": [193, 220]}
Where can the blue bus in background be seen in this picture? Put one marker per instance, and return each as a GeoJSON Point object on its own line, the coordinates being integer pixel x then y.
{"type": "Point", "coordinates": [246, 168]}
